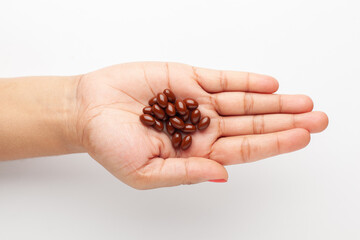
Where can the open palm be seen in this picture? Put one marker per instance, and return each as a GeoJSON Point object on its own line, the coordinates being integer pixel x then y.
{"type": "Point", "coordinates": [248, 122]}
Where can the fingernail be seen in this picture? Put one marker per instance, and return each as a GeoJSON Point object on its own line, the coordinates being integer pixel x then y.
{"type": "Point", "coordinates": [218, 180]}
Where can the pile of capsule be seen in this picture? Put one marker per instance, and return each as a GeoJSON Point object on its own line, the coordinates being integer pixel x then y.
{"type": "Point", "coordinates": [176, 113]}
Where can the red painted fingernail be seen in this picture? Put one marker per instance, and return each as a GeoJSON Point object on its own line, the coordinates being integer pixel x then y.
{"type": "Point", "coordinates": [218, 180]}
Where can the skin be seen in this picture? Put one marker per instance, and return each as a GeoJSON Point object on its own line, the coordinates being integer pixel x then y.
{"type": "Point", "coordinates": [99, 113]}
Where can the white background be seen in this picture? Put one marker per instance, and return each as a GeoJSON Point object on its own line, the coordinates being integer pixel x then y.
{"type": "Point", "coordinates": [310, 46]}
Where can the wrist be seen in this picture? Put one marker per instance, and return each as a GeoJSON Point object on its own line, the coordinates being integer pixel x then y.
{"type": "Point", "coordinates": [69, 120]}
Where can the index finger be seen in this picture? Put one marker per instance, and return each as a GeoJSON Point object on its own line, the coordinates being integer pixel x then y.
{"type": "Point", "coordinates": [221, 81]}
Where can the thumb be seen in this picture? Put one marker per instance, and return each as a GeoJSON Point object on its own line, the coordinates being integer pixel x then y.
{"type": "Point", "coordinates": [176, 171]}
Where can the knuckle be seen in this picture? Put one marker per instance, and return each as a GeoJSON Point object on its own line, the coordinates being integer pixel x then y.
{"type": "Point", "coordinates": [258, 124]}
{"type": "Point", "coordinates": [167, 73]}
{"type": "Point", "coordinates": [245, 150]}
{"type": "Point", "coordinates": [187, 174]}
{"type": "Point", "coordinates": [278, 145]}
{"type": "Point", "coordinates": [248, 103]}
{"type": "Point", "coordinates": [247, 82]}
{"type": "Point", "coordinates": [293, 121]}
{"type": "Point", "coordinates": [280, 103]}
{"type": "Point", "coordinates": [223, 80]}
{"type": "Point", "coordinates": [214, 100]}
{"type": "Point", "coordinates": [197, 78]}
{"type": "Point", "coordinates": [221, 126]}
{"type": "Point", "coordinates": [214, 153]}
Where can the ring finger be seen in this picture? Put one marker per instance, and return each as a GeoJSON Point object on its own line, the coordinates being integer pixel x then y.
{"type": "Point", "coordinates": [259, 124]}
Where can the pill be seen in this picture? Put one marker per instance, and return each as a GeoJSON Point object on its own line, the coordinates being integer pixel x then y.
{"type": "Point", "coordinates": [176, 140]}
{"type": "Point", "coordinates": [203, 123]}
{"type": "Point", "coordinates": [147, 119]}
{"type": "Point", "coordinates": [191, 104]}
{"type": "Point", "coordinates": [177, 122]}
{"type": "Point", "coordinates": [170, 95]}
{"type": "Point", "coordinates": [180, 106]}
{"type": "Point", "coordinates": [185, 117]}
{"type": "Point", "coordinates": [162, 100]}
{"type": "Point", "coordinates": [189, 128]}
{"type": "Point", "coordinates": [195, 116]}
{"type": "Point", "coordinates": [159, 125]}
{"type": "Point", "coordinates": [169, 128]}
{"type": "Point", "coordinates": [158, 111]}
{"type": "Point", "coordinates": [170, 109]}
{"type": "Point", "coordinates": [152, 101]}
{"type": "Point", "coordinates": [186, 142]}
{"type": "Point", "coordinates": [147, 110]}
{"type": "Point", "coordinates": [165, 111]}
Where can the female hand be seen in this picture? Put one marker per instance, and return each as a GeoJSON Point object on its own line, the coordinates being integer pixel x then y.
{"type": "Point", "coordinates": [248, 122]}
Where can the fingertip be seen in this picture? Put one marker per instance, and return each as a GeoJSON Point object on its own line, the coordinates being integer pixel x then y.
{"type": "Point", "coordinates": [214, 170]}
{"type": "Point", "coordinates": [321, 122]}
{"type": "Point", "coordinates": [304, 137]}
{"type": "Point", "coordinates": [296, 139]}
{"type": "Point", "coordinates": [307, 137]}
{"type": "Point", "coordinates": [224, 172]}
{"type": "Point", "coordinates": [324, 121]}
{"type": "Point", "coordinates": [275, 84]}
{"type": "Point", "coordinates": [314, 122]}
{"type": "Point", "coordinates": [305, 103]}
{"type": "Point", "coordinates": [270, 84]}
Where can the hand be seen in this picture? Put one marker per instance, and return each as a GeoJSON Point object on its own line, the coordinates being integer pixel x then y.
{"type": "Point", "coordinates": [248, 122]}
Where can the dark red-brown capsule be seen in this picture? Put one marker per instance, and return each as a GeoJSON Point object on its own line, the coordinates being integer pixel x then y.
{"type": "Point", "coordinates": [147, 110]}
{"type": "Point", "coordinates": [170, 95]}
{"type": "Point", "coordinates": [195, 116]}
{"type": "Point", "coordinates": [189, 128]}
{"type": "Point", "coordinates": [180, 107]}
{"type": "Point", "coordinates": [185, 117]}
{"type": "Point", "coordinates": [152, 101]}
{"type": "Point", "coordinates": [162, 100]}
{"type": "Point", "coordinates": [147, 119]}
{"type": "Point", "coordinates": [158, 111]}
{"type": "Point", "coordinates": [170, 110]}
{"type": "Point", "coordinates": [159, 125]}
{"type": "Point", "coordinates": [204, 123]}
{"type": "Point", "coordinates": [191, 104]}
{"type": "Point", "coordinates": [169, 128]}
{"type": "Point", "coordinates": [186, 142]}
{"type": "Point", "coordinates": [177, 122]}
{"type": "Point", "coordinates": [176, 140]}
